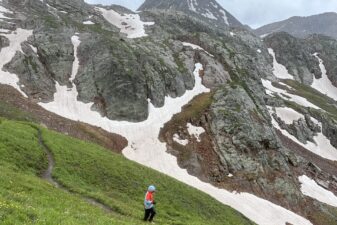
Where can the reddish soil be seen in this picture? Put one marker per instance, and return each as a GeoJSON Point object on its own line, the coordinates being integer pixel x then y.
{"type": "Point", "coordinates": [57, 123]}
{"type": "Point", "coordinates": [324, 164]}
{"type": "Point", "coordinates": [202, 160]}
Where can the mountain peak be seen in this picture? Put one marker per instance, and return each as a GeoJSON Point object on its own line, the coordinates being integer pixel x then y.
{"type": "Point", "coordinates": [303, 27]}
{"type": "Point", "coordinates": [209, 9]}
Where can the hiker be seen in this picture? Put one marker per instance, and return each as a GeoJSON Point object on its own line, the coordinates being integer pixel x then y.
{"type": "Point", "coordinates": [149, 204]}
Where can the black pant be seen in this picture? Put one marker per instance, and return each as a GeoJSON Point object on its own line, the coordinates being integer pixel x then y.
{"type": "Point", "coordinates": [149, 214]}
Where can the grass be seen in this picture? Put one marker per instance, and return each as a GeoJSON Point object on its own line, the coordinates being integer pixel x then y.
{"type": "Point", "coordinates": [315, 97]}
{"type": "Point", "coordinates": [194, 109]}
{"type": "Point", "coordinates": [89, 170]}
{"type": "Point", "coordinates": [11, 112]}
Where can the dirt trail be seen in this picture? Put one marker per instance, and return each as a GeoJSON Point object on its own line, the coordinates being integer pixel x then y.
{"type": "Point", "coordinates": [47, 175]}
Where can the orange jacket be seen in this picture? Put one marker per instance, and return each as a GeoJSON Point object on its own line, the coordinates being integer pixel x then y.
{"type": "Point", "coordinates": [149, 200]}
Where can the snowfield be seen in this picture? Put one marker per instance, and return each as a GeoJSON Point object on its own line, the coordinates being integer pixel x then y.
{"type": "Point", "coordinates": [130, 24]}
{"type": "Point", "coordinates": [208, 14]}
{"type": "Point", "coordinates": [195, 131]}
{"type": "Point", "coordinates": [288, 115]}
{"type": "Point", "coordinates": [322, 145]}
{"type": "Point", "coordinates": [196, 47]}
{"type": "Point", "coordinates": [88, 22]}
{"type": "Point", "coordinates": [225, 16]}
{"type": "Point", "coordinates": [7, 53]}
{"type": "Point", "coordinates": [192, 4]}
{"type": "Point", "coordinates": [2, 11]}
{"type": "Point", "coordinates": [177, 139]}
{"type": "Point", "coordinates": [271, 90]}
{"type": "Point", "coordinates": [310, 188]}
{"type": "Point", "coordinates": [280, 71]}
{"type": "Point", "coordinates": [4, 31]}
{"type": "Point", "coordinates": [324, 85]}
{"type": "Point", "coordinates": [145, 148]}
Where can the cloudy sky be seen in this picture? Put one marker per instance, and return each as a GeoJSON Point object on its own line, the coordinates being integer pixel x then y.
{"type": "Point", "coordinates": [255, 12]}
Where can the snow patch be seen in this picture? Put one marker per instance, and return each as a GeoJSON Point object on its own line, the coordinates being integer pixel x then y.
{"type": "Point", "coordinates": [51, 7]}
{"type": "Point", "coordinates": [259, 51]}
{"type": "Point", "coordinates": [33, 48]}
{"type": "Point", "coordinates": [280, 71]}
{"type": "Point", "coordinates": [195, 131]}
{"type": "Point", "coordinates": [224, 16]}
{"type": "Point", "coordinates": [7, 53]}
{"type": "Point", "coordinates": [192, 4]}
{"type": "Point", "coordinates": [4, 31]}
{"type": "Point", "coordinates": [321, 147]}
{"type": "Point", "coordinates": [288, 115]}
{"type": "Point", "coordinates": [196, 47]}
{"type": "Point", "coordinates": [310, 188]}
{"type": "Point", "coordinates": [232, 34]}
{"type": "Point", "coordinates": [264, 35]}
{"type": "Point", "coordinates": [271, 90]}
{"type": "Point", "coordinates": [88, 22]}
{"type": "Point", "coordinates": [75, 40]}
{"type": "Point", "coordinates": [3, 10]}
{"type": "Point", "coordinates": [177, 139]}
{"type": "Point", "coordinates": [53, 10]}
{"type": "Point", "coordinates": [215, 5]}
{"type": "Point", "coordinates": [130, 24]}
{"type": "Point", "coordinates": [324, 85]}
{"type": "Point", "coordinates": [208, 14]}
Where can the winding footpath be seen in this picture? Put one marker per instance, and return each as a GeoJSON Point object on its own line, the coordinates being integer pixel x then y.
{"type": "Point", "coordinates": [47, 175]}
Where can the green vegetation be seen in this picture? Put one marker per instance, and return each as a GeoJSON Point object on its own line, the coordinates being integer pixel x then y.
{"type": "Point", "coordinates": [320, 218]}
{"type": "Point", "coordinates": [50, 21]}
{"type": "Point", "coordinates": [10, 112]}
{"type": "Point", "coordinates": [30, 62]}
{"type": "Point", "coordinates": [180, 63]}
{"type": "Point", "coordinates": [315, 97]}
{"type": "Point", "coordinates": [237, 80]}
{"type": "Point", "coordinates": [88, 170]}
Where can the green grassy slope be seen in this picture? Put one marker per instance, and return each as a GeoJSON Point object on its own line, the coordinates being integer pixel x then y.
{"type": "Point", "coordinates": [312, 95]}
{"type": "Point", "coordinates": [88, 170]}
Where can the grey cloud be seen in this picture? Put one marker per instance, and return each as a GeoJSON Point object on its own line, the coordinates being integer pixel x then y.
{"type": "Point", "coordinates": [255, 12]}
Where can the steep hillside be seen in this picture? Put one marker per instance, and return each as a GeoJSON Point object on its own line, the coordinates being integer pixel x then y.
{"type": "Point", "coordinates": [302, 27]}
{"type": "Point", "coordinates": [89, 177]}
{"type": "Point", "coordinates": [178, 89]}
{"type": "Point", "coordinates": [14, 106]}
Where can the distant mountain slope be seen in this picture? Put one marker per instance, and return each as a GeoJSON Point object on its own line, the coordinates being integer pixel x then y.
{"type": "Point", "coordinates": [210, 9]}
{"type": "Point", "coordinates": [301, 27]}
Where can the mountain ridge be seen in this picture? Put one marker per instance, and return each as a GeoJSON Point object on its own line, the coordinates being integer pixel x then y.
{"type": "Point", "coordinates": [324, 23]}
{"type": "Point", "coordinates": [209, 9]}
